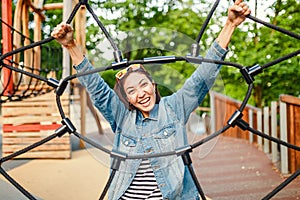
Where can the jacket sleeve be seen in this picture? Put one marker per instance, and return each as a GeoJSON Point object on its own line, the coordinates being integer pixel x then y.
{"type": "Point", "coordinates": [103, 97]}
{"type": "Point", "coordinates": [195, 88]}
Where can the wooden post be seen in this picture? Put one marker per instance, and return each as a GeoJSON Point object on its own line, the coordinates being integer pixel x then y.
{"type": "Point", "coordinates": [283, 137]}
{"type": "Point", "coordinates": [17, 39]}
{"type": "Point", "coordinates": [7, 45]}
{"type": "Point", "coordinates": [266, 129]}
{"type": "Point", "coordinates": [53, 6]}
{"type": "Point", "coordinates": [292, 129]}
{"type": "Point", "coordinates": [28, 55]}
{"type": "Point", "coordinates": [67, 9]}
{"type": "Point", "coordinates": [259, 128]}
{"type": "Point", "coordinates": [212, 113]}
{"type": "Point", "coordinates": [251, 125]}
{"type": "Point", "coordinates": [37, 36]}
{"type": "Point", "coordinates": [83, 102]}
{"type": "Point", "coordinates": [80, 25]}
{"type": "Point", "coordinates": [274, 131]}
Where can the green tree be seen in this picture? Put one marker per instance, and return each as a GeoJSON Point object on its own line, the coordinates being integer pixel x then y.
{"type": "Point", "coordinates": [261, 45]}
{"type": "Point", "coordinates": [146, 29]}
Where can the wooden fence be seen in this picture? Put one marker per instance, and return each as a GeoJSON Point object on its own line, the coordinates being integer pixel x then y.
{"type": "Point", "coordinates": [280, 120]}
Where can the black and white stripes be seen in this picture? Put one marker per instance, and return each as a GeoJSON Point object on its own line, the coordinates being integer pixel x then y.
{"type": "Point", "coordinates": [144, 185]}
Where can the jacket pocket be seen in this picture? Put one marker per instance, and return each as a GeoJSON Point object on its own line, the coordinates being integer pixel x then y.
{"type": "Point", "coordinates": [165, 133]}
{"type": "Point", "coordinates": [127, 143]}
{"type": "Point", "coordinates": [166, 139]}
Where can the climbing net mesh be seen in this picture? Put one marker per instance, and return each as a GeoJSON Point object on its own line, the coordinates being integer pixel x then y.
{"type": "Point", "coordinates": [59, 86]}
{"type": "Point", "coordinates": [26, 84]}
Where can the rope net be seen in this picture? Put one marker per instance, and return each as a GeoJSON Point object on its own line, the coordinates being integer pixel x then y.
{"type": "Point", "coordinates": [248, 73]}
{"type": "Point", "coordinates": [29, 68]}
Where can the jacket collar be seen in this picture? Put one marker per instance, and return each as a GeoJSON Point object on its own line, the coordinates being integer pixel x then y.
{"type": "Point", "coordinates": [153, 115]}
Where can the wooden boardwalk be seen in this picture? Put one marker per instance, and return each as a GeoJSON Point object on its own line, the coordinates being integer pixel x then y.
{"type": "Point", "coordinates": [237, 170]}
{"type": "Point", "coordinates": [229, 168]}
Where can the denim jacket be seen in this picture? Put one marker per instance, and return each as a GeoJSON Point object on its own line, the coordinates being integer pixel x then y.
{"type": "Point", "coordinates": [163, 131]}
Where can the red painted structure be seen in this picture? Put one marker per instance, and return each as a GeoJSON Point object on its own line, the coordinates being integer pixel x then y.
{"type": "Point", "coordinates": [7, 44]}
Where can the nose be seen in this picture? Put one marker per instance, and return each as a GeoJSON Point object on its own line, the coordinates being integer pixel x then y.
{"type": "Point", "coordinates": [141, 93]}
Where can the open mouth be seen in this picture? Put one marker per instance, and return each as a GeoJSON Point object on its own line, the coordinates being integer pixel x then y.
{"type": "Point", "coordinates": [145, 101]}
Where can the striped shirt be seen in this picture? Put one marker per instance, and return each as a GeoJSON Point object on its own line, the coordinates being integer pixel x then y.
{"type": "Point", "coordinates": [143, 185]}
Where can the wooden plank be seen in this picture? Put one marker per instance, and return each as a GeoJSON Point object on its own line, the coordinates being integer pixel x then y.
{"type": "Point", "coordinates": [53, 6]}
{"type": "Point", "coordinates": [44, 154]}
{"type": "Point", "coordinates": [7, 46]}
{"type": "Point", "coordinates": [83, 105]}
{"type": "Point", "coordinates": [274, 145]}
{"type": "Point", "coordinates": [243, 133]}
{"type": "Point", "coordinates": [34, 87]}
{"type": "Point", "coordinates": [29, 111]}
{"type": "Point", "coordinates": [31, 119]}
{"type": "Point", "coordinates": [15, 111]}
{"type": "Point", "coordinates": [251, 123]}
{"type": "Point", "coordinates": [290, 99]}
{"type": "Point", "coordinates": [51, 97]}
{"type": "Point", "coordinates": [48, 147]}
{"type": "Point", "coordinates": [283, 136]}
{"type": "Point", "coordinates": [27, 101]}
{"type": "Point", "coordinates": [29, 127]}
{"type": "Point", "coordinates": [229, 99]}
{"type": "Point", "coordinates": [35, 9]}
{"type": "Point", "coordinates": [297, 137]}
{"type": "Point", "coordinates": [30, 134]}
{"type": "Point", "coordinates": [30, 140]}
{"type": "Point", "coordinates": [291, 137]}
{"type": "Point", "coordinates": [259, 128]}
{"type": "Point", "coordinates": [295, 140]}
{"type": "Point", "coordinates": [32, 104]}
{"type": "Point", "coordinates": [266, 129]}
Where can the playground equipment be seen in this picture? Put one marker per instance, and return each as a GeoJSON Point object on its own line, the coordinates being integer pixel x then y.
{"type": "Point", "coordinates": [235, 120]}
{"type": "Point", "coordinates": [25, 119]}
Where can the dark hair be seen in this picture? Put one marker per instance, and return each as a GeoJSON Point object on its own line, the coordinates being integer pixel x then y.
{"type": "Point", "coordinates": [119, 88]}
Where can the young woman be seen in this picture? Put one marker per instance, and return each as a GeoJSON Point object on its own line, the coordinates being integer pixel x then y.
{"type": "Point", "coordinates": [145, 123]}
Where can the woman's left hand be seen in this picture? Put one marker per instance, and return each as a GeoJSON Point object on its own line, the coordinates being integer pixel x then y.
{"type": "Point", "coordinates": [238, 12]}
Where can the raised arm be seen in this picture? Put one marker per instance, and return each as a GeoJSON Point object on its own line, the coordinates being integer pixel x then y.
{"type": "Point", "coordinates": [64, 34]}
{"type": "Point", "coordinates": [103, 97]}
{"type": "Point", "coordinates": [236, 15]}
{"type": "Point", "coordinates": [198, 85]}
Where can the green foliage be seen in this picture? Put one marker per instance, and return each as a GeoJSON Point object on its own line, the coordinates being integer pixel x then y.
{"type": "Point", "coordinates": [262, 45]}
{"type": "Point", "coordinates": [144, 29]}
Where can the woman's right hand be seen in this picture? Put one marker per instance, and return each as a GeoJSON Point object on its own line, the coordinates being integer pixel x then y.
{"type": "Point", "coordinates": [64, 34]}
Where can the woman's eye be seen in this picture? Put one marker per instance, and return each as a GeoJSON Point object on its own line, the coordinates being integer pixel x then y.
{"type": "Point", "coordinates": [130, 92]}
{"type": "Point", "coordinates": [144, 84]}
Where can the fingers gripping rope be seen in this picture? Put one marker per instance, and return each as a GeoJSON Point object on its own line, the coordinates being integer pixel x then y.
{"type": "Point", "coordinates": [248, 74]}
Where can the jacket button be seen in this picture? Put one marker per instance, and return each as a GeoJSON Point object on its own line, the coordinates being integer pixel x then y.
{"type": "Point", "coordinates": [157, 167]}
{"type": "Point", "coordinates": [162, 185]}
{"type": "Point", "coordinates": [149, 150]}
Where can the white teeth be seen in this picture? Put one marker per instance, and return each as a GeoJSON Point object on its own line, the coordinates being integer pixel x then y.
{"type": "Point", "coordinates": [144, 100]}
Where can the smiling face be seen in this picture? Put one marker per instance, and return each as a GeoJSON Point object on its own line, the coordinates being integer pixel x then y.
{"type": "Point", "coordinates": [140, 92]}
